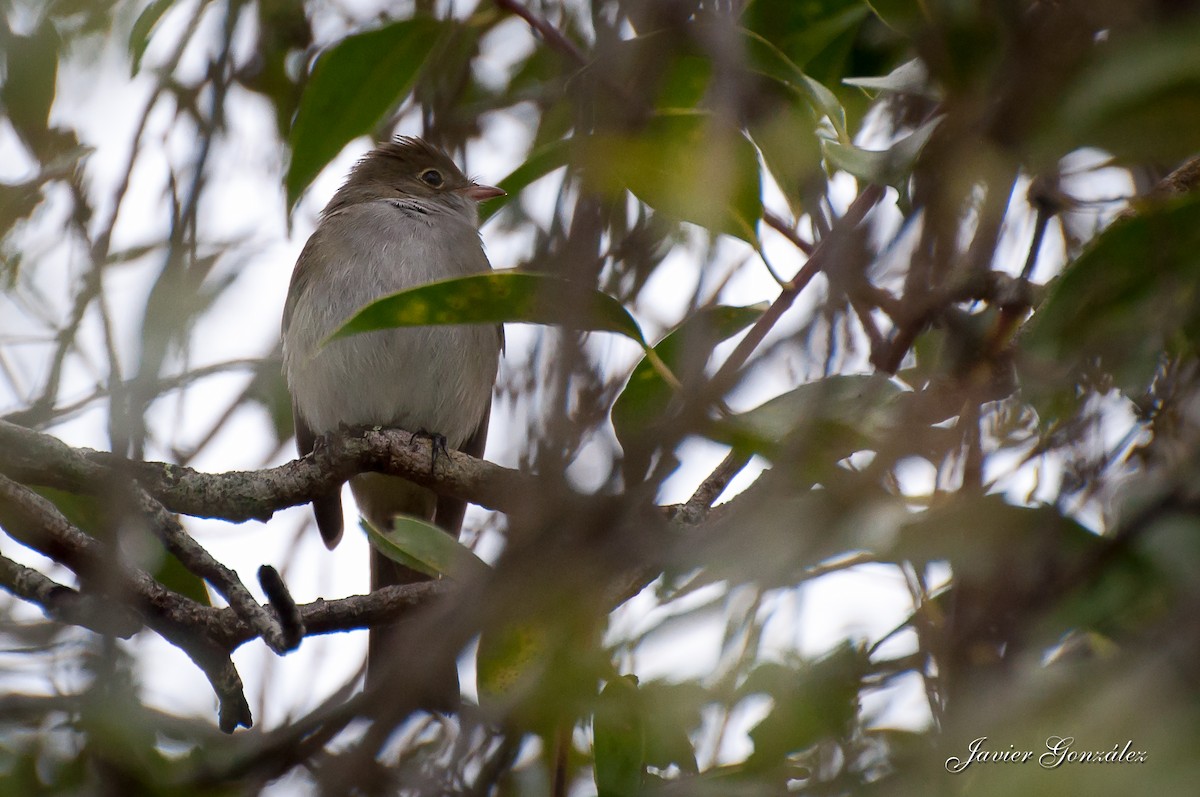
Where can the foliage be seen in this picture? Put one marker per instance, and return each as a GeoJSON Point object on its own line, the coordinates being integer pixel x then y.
{"type": "Point", "coordinates": [885, 256]}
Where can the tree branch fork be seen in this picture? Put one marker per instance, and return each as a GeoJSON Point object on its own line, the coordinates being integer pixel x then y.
{"type": "Point", "coordinates": [117, 598]}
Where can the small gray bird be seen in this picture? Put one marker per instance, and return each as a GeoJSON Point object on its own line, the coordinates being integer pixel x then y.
{"type": "Point", "coordinates": [406, 215]}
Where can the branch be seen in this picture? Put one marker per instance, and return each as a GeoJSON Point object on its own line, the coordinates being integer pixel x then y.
{"type": "Point", "coordinates": [64, 604]}
{"type": "Point", "coordinates": [35, 522]}
{"type": "Point", "coordinates": [35, 458]}
{"type": "Point", "coordinates": [552, 35]}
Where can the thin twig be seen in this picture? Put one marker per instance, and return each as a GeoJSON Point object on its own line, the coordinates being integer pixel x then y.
{"type": "Point", "coordinates": [858, 209]}
{"type": "Point", "coordinates": [777, 223]}
{"type": "Point", "coordinates": [552, 35]}
{"type": "Point", "coordinates": [35, 522]}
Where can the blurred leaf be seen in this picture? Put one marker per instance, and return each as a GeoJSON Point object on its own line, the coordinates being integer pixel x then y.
{"type": "Point", "coordinates": [684, 164]}
{"type": "Point", "coordinates": [813, 701]}
{"type": "Point", "coordinates": [93, 516]}
{"type": "Point", "coordinates": [983, 536]}
{"type": "Point", "coordinates": [353, 86]}
{"type": "Point", "coordinates": [768, 60]}
{"type": "Point", "coordinates": [494, 298]}
{"type": "Point", "coordinates": [139, 36]}
{"type": "Point", "coordinates": [892, 166]}
{"type": "Point", "coordinates": [537, 165]}
{"type": "Point", "coordinates": [685, 350]}
{"type": "Point", "coordinates": [511, 659]}
{"type": "Point", "coordinates": [902, 16]}
{"type": "Point", "coordinates": [853, 410]}
{"type": "Point", "coordinates": [174, 576]}
{"type": "Point", "coordinates": [86, 512]}
{"type": "Point", "coordinates": [1139, 99]}
{"type": "Point", "coordinates": [16, 203]}
{"type": "Point", "coordinates": [284, 35]}
{"type": "Point", "coordinates": [426, 548]}
{"type": "Point", "coordinates": [827, 103]}
{"type": "Point", "coordinates": [802, 30]}
{"type": "Point", "coordinates": [791, 150]}
{"type": "Point", "coordinates": [619, 739]}
{"type": "Point", "coordinates": [269, 389]}
{"type": "Point", "coordinates": [670, 711]}
{"type": "Point", "coordinates": [908, 78]}
{"type": "Point", "coordinates": [1131, 296]}
{"type": "Point", "coordinates": [31, 81]}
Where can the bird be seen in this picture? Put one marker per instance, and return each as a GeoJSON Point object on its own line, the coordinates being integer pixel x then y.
{"type": "Point", "coordinates": [405, 216]}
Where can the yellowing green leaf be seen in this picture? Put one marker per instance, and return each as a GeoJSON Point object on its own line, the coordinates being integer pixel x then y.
{"type": "Point", "coordinates": [494, 298]}
{"type": "Point", "coordinates": [511, 659]}
{"type": "Point", "coordinates": [686, 165]}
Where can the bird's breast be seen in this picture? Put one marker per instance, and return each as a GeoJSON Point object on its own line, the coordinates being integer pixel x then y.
{"type": "Point", "coordinates": [436, 379]}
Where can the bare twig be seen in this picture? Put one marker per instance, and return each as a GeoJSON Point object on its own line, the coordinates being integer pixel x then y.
{"type": "Point", "coordinates": [711, 488]}
{"type": "Point", "coordinates": [858, 209]}
{"type": "Point", "coordinates": [552, 35]}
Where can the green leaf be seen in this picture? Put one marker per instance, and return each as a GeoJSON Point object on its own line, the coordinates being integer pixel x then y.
{"type": "Point", "coordinates": [892, 166]}
{"type": "Point", "coordinates": [494, 298]}
{"type": "Point", "coordinates": [541, 161]}
{"type": "Point", "coordinates": [93, 516]}
{"type": "Point", "coordinates": [670, 711]}
{"type": "Point", "coordinates": [769, 60]}
{"type": "Point", "coordinates": [139, 36]}
{"type": "Point", "coordinates": [685, 351]}
{"type": "Point", "coordinates": [619, 739]}
{"type": "Point", "coordinates": [353, 86]}
{"type": "Point", "coordinates": [684, 164]}
{"type": "Point", "coordinates": [803, 30]}
{"type": "Point", "coordinates": [426, 548]}
{"type": "Point", "coordinates": [1137, 100]}
{"type": "Point", "coordinates": [30, 83]}
{"type": "Point", "coordinates": [174, 576]}
{"type": "Point", "coordinates": [903, 16]}
{"type": "Point", "coordinates": [852, 411]}
{"type": "Point", "coordinates": [1131, 296]}
{"type": "Point", "coordinates": [813, 701]}
{"type": "Point", "coordinates": [508, 658]}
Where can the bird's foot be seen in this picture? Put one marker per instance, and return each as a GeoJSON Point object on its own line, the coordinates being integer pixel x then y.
{"type": "Point", "coordinates": [437, 445]}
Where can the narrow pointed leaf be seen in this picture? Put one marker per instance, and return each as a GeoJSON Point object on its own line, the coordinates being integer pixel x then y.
{"type": "Point", "coordinates": [425, 548]}
{"type": "Point", "coordinates": [911, 77]}
{"type": "Point", "coordinates": [619, 739]}
{"type": "Point", "coordinates": [891, 167]}
{"type": "Point", "coordinates": [495, 298]}
{"type": "Point", "coordinates": [540, 162]}
{"type": "Point", "coordinates": [139, 36]}
{"type": "Point", "coordinates": [353, 86]}
{"type": "Point", "coordinates": [647, 395]}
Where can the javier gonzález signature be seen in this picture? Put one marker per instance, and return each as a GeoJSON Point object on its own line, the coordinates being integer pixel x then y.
{"type": "Point", "coordinates": [1059, 750]}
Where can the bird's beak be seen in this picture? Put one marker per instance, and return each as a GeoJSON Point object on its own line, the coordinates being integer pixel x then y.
{"type": "Point", "coordinates": [479, 192]}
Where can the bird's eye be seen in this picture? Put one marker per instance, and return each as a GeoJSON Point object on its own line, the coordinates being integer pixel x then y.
{"type": "Point", "coordinates": [432, 177]}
